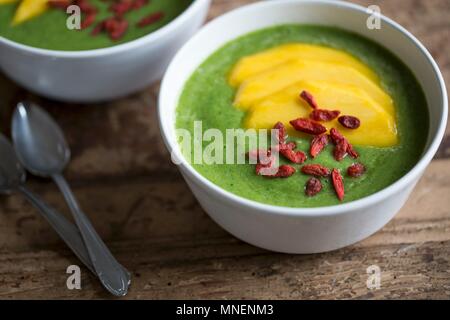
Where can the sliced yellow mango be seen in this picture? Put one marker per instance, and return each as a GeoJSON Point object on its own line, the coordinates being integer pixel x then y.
{"type": "Point", "coordinates": [377, 128]}
{"type": "Point", "coordinates": [29, 9]}
{"type": "Point", "coordinates": [264, 84]}
{"type": "Point", "coordinates": [252, 65]}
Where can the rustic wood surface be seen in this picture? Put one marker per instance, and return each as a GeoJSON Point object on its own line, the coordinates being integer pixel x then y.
{"type": "Point", "coordinates": [140, 205]}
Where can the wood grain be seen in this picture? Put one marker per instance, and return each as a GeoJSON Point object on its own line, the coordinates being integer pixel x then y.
{"type": "Point", "coordinates": [141, 206]}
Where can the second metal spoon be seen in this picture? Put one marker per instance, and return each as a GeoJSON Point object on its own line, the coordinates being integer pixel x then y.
{"type": "Point", "coordinates": [43, 150]}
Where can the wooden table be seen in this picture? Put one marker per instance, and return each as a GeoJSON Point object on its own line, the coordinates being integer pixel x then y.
{"type": "Point", "coordinates": [141, 206]}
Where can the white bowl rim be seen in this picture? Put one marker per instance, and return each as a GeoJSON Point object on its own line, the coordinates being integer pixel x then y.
{"type": "Point", "coordinates": [323, 211]}
{"type": "Point", "coordinates": [130, 45]}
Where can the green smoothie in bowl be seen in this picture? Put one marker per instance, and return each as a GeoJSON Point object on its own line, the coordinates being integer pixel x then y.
{"type": "Point", "coordinates": [351, 118]}
{"type": "Point", "coordinates": [51, 24]}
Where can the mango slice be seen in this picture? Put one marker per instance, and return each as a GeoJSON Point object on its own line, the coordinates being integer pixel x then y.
{"type": "Point", "coordinates": [251, 65]}
{"type": "Point", "coordinates": [377, 128]}
{"type": "Point", "coordinates": [279, 77]}
{"type": "Point", "coordinates": [29, 9]}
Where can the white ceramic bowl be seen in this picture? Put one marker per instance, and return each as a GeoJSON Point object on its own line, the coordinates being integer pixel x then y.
{"type": "Point", "coordinates": [302, 230]}
{"type": "Point", "coordinates": [102, 74]}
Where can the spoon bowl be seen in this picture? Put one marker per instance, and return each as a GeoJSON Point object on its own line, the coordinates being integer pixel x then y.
{"type": "Point", "coordinates": [39, 141]}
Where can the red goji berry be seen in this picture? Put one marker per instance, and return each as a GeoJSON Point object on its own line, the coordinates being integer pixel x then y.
{"type": "Point", "coordinates": [281, 132]}
{"type": "Point", "coordinates": [343, 147]}
{"type": "Point", "coordinates": [137, 4]}
{"type": "Point", "coordinates": [352, 152]}
{"type": "Point", "coordinates": [308, 126]}
{"type": "Point", "coordinates": [148, 20]}
{"type": "Point", "coordinates": [283, 171]}
{"type": "Point", "coordinates": [85, 6]}
{"type": "Point", "coordinates": [259, 155]}
{"type": "Point", "coordinates": [356, 170]}
{"type": "Point", "coordinates": [265, 167]}
{"type": "Point", "coordinates": [340, 151]}
{"type": "Point", "coordinates": [119, 8]}
{"type": "Point", "coordinates": [88, 20]}
{"type": "Point", "coordinates": [335, 135]}
{"type": "Point", "coordinates": [289, 145]}
{"type": "Point", "coordinates": [309, 98]}
{"type": "Point", "coordinates": [116, 27]}
{"type": "Point", "coordinates": [338, 184]}
{"type": "Point", "coordinates": [316, 170]}
{"type": "Point", "coordinates": [293, 156]}
{"type": "Point", "coordinates": [318, 143]}
{"type": "Point", "coordinates": [349, 122]}
{"type": "Point", "coordinates": [313, 186]}
{"type": "Point", "coordinates": [324, 115]}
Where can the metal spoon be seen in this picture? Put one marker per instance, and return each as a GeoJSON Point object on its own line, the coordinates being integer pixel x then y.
{"type": "Point", "coordinates": [43, 150]}
{"type": "Point", "coordinates": [12, 179]}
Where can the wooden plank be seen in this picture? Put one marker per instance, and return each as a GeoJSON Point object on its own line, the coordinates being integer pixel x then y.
{"type": "Point", "coordinates": [227, 269]}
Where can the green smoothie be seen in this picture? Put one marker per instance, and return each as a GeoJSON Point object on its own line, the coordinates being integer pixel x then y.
{"type": "Point", "coordinates": [49, 31]}
{"type": "Point", "coordinates": [208, 97]}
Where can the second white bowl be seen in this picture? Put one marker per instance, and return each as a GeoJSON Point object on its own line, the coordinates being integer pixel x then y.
{"type": "Point", "coordinates": [102, 74]}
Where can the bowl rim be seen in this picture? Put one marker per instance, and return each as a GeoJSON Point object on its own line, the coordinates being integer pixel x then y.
{"type": "Point", "coordinates": [322, 211]}
{"type": "Point", "coordinates": [130, 45]}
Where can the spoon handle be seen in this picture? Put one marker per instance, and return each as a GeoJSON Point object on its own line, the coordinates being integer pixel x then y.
{"type": "Point", "coordinates": [65, 229]}
{"type": "Point", "coordinates": [114, 277]}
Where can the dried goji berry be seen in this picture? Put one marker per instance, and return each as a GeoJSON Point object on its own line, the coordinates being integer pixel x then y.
{"type": "Point", "coordinates": [340, 151]}
{"type": "Point", "coordinates": [324, 115]}
{"type": "Point", "coordinates": [293, 156]}
{"type": "Point", "coordinates": [121, 7]}
{"type": "Point", "coordinates": [281, 132]}
{"type": "Point", "coordinates": [338, 184]}
{"type": "Point", "coordinates": [349, 122]}
{"type": "Point", "coordinates": [356, 170]}
{"type": "Point", "coordinates": [289, 145]}
{"type": "Point", "coordinates": [308, 126]}
{"type": "Point", "coordinates": [88, 20]}
{"type": "Point", "coordinates": [343, 147]}
{"type": "Point", "coordinates": [316, 170]}
{"type": "Point", "coordinates": [266, 167]}
{"type": "Point", "coordinates": [335, 135]}
{"type": "Point", "coordinates": [352, 152]}
{"type": "Point", "coordinates": [153, 18]}
{"type": "Point", "coordinates": [116, 27]}
{"type": "Point", "coordinates": [318, 143]}
{"type": "Point", "coordinates": [309, 98]}
{"type": "Point", "coordinates": [313, 186]}
{"type": "Point", "coordinates": [259, 155]}
{"type": "Point", "coordinates": [137, 4]}
{"type": "Point", "coordinates": [85, 6]}
{"type": "Point", "coordinates": [284, 171]}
